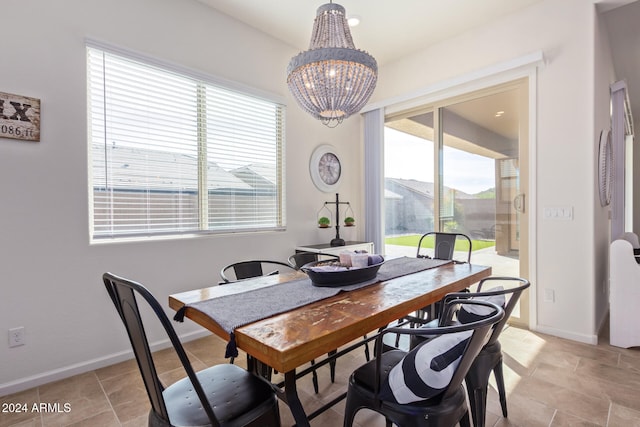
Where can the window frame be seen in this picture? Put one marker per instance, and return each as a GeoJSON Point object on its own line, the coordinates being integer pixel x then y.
{"type": "Point", "coordinates": [205, 223]}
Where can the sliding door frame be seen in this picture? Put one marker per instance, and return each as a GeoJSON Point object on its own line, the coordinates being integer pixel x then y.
{"type": "Point", "coordinates": [469, 85]}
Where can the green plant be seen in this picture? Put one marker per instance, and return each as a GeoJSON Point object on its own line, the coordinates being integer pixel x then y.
{"type": "Point", "coordinates": [349, 220]}
{"type": "Point", "coordinates": [324, 221]}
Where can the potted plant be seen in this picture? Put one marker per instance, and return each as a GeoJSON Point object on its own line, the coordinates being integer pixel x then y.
{"type": "Point", "coordinates": [323, 222]}
{"type": "Point", "coordinates": [349, 221]}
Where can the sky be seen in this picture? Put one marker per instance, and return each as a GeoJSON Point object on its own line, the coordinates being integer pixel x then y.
{"type": "Point", "coordinates": [410, 157]}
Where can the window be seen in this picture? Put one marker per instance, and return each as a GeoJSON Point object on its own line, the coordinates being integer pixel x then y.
{"type": "Point", "coordinates": [171, 153]}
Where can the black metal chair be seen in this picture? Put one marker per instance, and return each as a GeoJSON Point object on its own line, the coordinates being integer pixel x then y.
{"type": "Point", "coordinates": [252, 268]}
{"type": "Point", "coordinates": [299, 259]}
{"type": "Point", "coordinates": [222, 395]}
{"type": "Point", "coordinates": [490, 357]}
{"type": "Point", "coordinates": [444, 245]}
{"type": "Point", "coordinates": [436, 398]}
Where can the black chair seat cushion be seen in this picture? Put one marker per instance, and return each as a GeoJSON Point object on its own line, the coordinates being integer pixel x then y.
{"type": "Point", "coordinates": [365, 374]}
{"type": "Point", "coordinates": [425, 371]}
{"type": "Point", "coordinates": [232, 391]}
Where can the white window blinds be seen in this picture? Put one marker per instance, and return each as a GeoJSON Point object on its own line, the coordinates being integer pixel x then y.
{"type": "Point", "coordinates": [173, 154]}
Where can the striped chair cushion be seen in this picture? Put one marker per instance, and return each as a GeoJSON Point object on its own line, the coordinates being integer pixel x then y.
{"type": "Point", "coordinates": [426, 370]}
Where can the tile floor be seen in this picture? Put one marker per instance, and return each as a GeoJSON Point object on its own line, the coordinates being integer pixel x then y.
{"type": "Point", "coordinates": [550, 382]}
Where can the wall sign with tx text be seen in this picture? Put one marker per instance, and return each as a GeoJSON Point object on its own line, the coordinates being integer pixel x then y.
{"type": "Point", "coordinates": [19, 117]}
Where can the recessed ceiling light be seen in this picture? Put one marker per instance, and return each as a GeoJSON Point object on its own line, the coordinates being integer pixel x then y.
{"type": "Point", "coordinates": [353, 20]}
{"type": "Point", "coordinates": [499, 113]}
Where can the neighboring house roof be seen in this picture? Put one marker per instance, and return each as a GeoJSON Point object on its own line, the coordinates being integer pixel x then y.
{"type": "Point", "coordinates": [256, 175]}
{"type": "Point", "coordinates": [138, 168]}
{"type": "Point", "coordinates": [426, 188]}
{"type": "Point", "coordinates": [420, 187]}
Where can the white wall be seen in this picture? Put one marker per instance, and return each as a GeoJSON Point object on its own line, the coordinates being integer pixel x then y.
{"type": "Point", "coordinates": [564, 31]}
{"type": "Point", "coordinates": [51, 276]}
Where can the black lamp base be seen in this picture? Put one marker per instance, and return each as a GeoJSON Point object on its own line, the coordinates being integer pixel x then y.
{"type": "Point", "coordinates": [337, 242]}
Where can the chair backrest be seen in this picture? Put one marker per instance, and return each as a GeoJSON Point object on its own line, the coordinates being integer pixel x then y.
{"type": "Point", "coordinates": [122, 293]}
{"type": "Point", "coordinates": [511, 293]}
{"type": "Point", "coordinates": [481, 330]}
{"type": "Point", "coordinates": [299, 259]}
{"type": "Point", "coordinates": [444, 245]}
{"type": "Point", "coordinates": [251, 268]}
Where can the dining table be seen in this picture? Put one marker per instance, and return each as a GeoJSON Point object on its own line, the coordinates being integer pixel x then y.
{"type": "Point", "coordinates": [283, 321]}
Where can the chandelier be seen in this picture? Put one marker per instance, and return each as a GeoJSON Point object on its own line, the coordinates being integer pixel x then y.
{"type": "Point", "coordinates": [332, 80]}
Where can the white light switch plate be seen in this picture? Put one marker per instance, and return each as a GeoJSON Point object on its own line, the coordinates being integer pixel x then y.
{"type": "Point", "coordinates": [562, 213]}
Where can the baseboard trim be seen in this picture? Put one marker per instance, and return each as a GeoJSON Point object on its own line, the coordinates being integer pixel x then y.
{"type": "Point", "coordinates": [561, 333]}
{"type": "Point", "coordinates": [26, 383]}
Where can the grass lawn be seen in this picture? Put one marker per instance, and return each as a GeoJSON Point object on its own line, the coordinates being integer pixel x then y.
{"type": "Point", "coordinates": [428, 242]}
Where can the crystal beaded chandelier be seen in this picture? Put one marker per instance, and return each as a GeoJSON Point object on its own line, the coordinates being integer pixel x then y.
{"type": "Point", "coordinates": [332, 80]}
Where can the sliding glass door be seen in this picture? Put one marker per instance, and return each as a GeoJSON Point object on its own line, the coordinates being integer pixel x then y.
{"type": "Point", "coordinates": [457, 166]}
{"type": "Point", "coordinates": [409, 185]}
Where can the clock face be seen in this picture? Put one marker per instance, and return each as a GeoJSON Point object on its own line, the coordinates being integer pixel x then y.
{"type": "Point", "coordinates": [325, 168]}
{"type": "Point", "coordinates": [329, 168]}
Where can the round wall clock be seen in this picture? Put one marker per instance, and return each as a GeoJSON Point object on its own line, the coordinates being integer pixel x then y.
{"type": "Point", "coordinates": [605, 167]}
{"type": "Point", "coordinates": [325, 168]}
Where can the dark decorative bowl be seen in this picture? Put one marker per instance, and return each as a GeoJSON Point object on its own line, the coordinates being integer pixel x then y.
{"type": "Point", "coordinates": [350, 276]}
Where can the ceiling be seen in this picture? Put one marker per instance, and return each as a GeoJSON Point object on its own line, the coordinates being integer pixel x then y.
{"type": "Point", "coordinates": [388, 31]}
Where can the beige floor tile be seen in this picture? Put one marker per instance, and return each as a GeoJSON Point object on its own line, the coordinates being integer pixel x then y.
{"type": "Point", "coordinates": [127, 396]}
{"type": "Point", "coordinates": [623, 417]}
{"type": "Point", "coordinates": [491, 419]}
{"type": "Point", "coordinates": [127, 367]}
{"type": "Point", "coordinates": [209, 350]}
{"type": "Point", "coordinates": [604, 355]}
{"type": "Point", "coordinates": [523, 412]}
{"type": "Point", "coordinates": [583, 384]}
{"type": "Point", "coordinates": [166, 360]}
{"type": "Point", "coordinates": [141, 421]}
{"type": "Point", "coordinates": [123, 388]}
{"type": "Point", "coordinates": [567, 400]}
{"type": "Point", "coordinates": [563, 419]}
{"type": "Point", "coordinates": [72, 400]}
{"type": "Point", "coordinates": [606, 372]}
{"type": "Point", "coordinates": [34, 422]}
{"type": "Point", "coordinates": [630, 361]}
{"type": "Point", "coordinates": [103, 419]}
{"type": "Point", "coordinates": [623, 395]}
{"type": "Point", "coordinates": [17, 408]}
{"type": "Point", "coordinates": [133, 409]}
{"type": "Point", "coordinates": [615, 392]}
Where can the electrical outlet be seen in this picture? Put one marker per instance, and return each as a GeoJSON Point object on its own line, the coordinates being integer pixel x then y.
{"type": "Point", "coordinates": [549, 295]}
{"type": "Point", "coordinates": [16, 337]}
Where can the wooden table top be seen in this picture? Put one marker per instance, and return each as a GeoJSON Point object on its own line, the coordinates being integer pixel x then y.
{"type": "Point", "coordinates": [289, 340]}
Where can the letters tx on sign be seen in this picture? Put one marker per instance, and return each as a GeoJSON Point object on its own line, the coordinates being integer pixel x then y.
{"type": "Point", "coordinates": [19, 117]}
